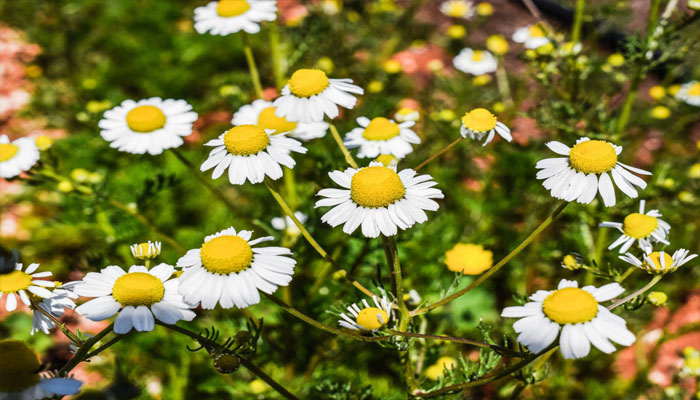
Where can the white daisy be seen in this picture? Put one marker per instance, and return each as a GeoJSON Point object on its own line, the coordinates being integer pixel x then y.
{"type": "Point", "coordinates": [475, 62]}
{"type": "Point", "coordinates": [641, 227]}
{"type": "Point", "coordinates": [577, 312]}
{"type": "Point", "coordinates": [379, 199]}
{"type": "Point", "coordinates": [250, 152]}
{"type": "Point", "coordinates": [407, 114]}
{"type": "Point", "coordinates": [20, 377]}
{"type": "Point", "coordinates": [584, 172]}
{"type": "Point", "coordinates": [225, 17]}
{"type": "Point", "coordinates": [690, 93]}
{"type": "Point", "coordinates": [310, 94]}
{"type": "Point", "coordinates": [367, 318]}
{"type": "Point", "coordinates": [142, 293]}
{"type": "Point", "coordinates": [659, 262]}
{"type": "Point", "coordinates": [55, 305]}
{"type": "Point", "coordinates": [262, 114]}
{"type": "Point", "coordinates": [381, 136]}
{"type": "Point", "coordinates": [287, 225]}
{"type": "Point", "coordinates": [18, 283]}
{"type": "Point", "coordinates": [480, 122]}
{"type": "Point", "coordinates": [148, 125]}
{"type": "Point", "coordinates": [228, 270]}
{"type": "Point", "coordinates": [531, 36]}
{"type": "Point", "coordinates": [387, 160]}
{"type": "Point", "coordinates": [457, 8]}
{"type": "Point", "coordinates": [17, 156]}
{"type": "Point", "coordinates": [146, 251]}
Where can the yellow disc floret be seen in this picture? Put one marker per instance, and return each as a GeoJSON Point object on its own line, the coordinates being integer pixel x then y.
{"type": "Point", "coordinates": [268, 120]}
{"type": "Point", "coordinates": [14, 282]}
{"type": "Point", "coordinates": [145, 119]}
{"type": "Point", "coordinates": [653, 262]}
{"type": "Point", "coordinates": [308, 82]}
{"type": "Point", "coordinates": [7, 151]}
{"type": "Point", "coordinates": [387, 160]}
{"type": "Point", "coordinates": [536, 31]}
{"type": "Point", "coordinates": [20, 366]}
{"type": "Point", "coordinates": [694, 89]}
{"type": "Point", "coordinates": [479, 120]}
{"type": "Point", "coordinates": [138, 289]}
{"type": "Point", "coordinates": [570, 306]}
{"type": "Point", "coordinates": [381, 128]}
{"type": "Point", "coordinates": [226, 254]}
{"type": "Point", "coordinates": [593, 156]}
{"type": "Point", "coordinates": [372, 318]}
{"type": "Point", "coordinates": [246, 140]}
{"type": "Point", "coordinates": [469, 259]}
{"type": "Point", "coordinates": [231, 8]}
{"type": "Point", "coordinates": [374, 187]}
{"type": "Point", "coordinates": [639, 226]}
{"type": "Point", "coordinates": [477, 55]}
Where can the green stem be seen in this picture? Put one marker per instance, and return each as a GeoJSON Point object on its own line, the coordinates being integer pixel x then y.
{"type": "Point", "coordinates": [638, 292]}
{"type": "Point", "coordinates": [339, 141]}
{"type": "Point", "coordinates": [277, 69]}
{"type": "Point", "coordinates": [499, 265]}
{"type": "Point", "coordinates": [502, 82]}
{"type": "Point", "coordinates": [578, 21]}
{"type": "Point", "coordinates": [105, 346]}
{"type": "Point", "coordinates": [81, 354]}
{"type": "Point", "coordinates": [438, 154]}
{"type": "Point", "coordinates": [69, 334]}
{"type": "Point", "coordinates": [254, 75]}
{"type": "Point", "coordinates": [452, 339]}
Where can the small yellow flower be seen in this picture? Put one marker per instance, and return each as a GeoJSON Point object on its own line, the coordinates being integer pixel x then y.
{"type": "Point", "coordinates": [456, 31]}
{"type": "Point", "coordinates": [481, 80]}
{"type": "Point", "coordinates": [694, 171]}
{"type": "Point", "coordinates": [375, 86]}
{"type": "Point", "coordinates": [572, 262]}
{"type": "Point", "coordinates": [257, 386]}
{"type": "Point", "coordinates": [95, 107]}
{"type": "Point", "coordinates": [673, 89]}
{"type": "Point", "coordinates": [392, 67]}
{"type": "Point", "coordinates": [657, 298]}
{"type": "Point", "coordinates": [146, 251]}
{"type": "Point", "coordinates": [65, 186]}
{"type": "Point", "coordinates": [89, 83]}
{"type": "Point", "coordinates": [497, 44]}
{"type": "Point", "coordinates": [325, 64]}
{"type": "Point", "coordinates": [530, 54]}
{"type": "Point", "coordinates": [43, 142]}
{"type": "Point", "coordinates": [446, 115]}
{"type": "Point", "coordinates": [80, 175]}
{"type": "Point", "coordinates": [387, 160]}
{"type": "Point", "coordinates": [616, 60]}
{"type": "Point", "coordinates": [657, 92]}
{"type": "Point", "coordinates": [484, 9]}
{"type": "Point", "coordinates": [660, 112]}
{"type": "Point", "coordinates": [686, 197]}
{"type": "Point", "coordinates": [468, 258]}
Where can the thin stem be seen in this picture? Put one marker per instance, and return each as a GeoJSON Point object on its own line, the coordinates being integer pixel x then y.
{"type": "Point", "coordinates": [499, 265]}
{"type": "Point", "coordinates": [339, 141]}
{"type": "Point", "coordinates": [502, 82]}
{"type": "Point", "coordinates": [438, 154]}
{"type": "Point", "coordinates": [638, 292]}
{"type": "Point", "coordinates": [105, 346]}
{"type": "Point", "coordinates": [578, 21]}
{"type": "Point", "coordinates": [625, 274]}
{"type": "Point", "coordinates": [304, 232]}
{"type": "Point", "coordinates": [254, 75]}
{"type": "Point", "coordinates": [69, 334]}
{"type": "Point", "coordinates": [447, 338]}
{"type": "Point", "coordinates": [81, 354]}
{"type": "Point", "coordinates": [277, 69]}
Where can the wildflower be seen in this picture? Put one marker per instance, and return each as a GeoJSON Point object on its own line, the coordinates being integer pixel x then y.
{"type": "Point", "coordinates": [250, 153]}
{"type": "Point", "coordinates": [690, 93]}
{"type": "Point", "coordinates": [468, 258]}
{"type": "Point", "coordinates": [379, 199]}
{"type": "Point", "coordinates": [657, 298]}
{"type": "Point", "coordinates": [17, 156]}
{"type": "Point", "coordinates": [262, 114]}
{"type": "Point", "coordinates": [457, 8]}
{"type": "Point", "coordinates": [136, 296]}
{"type": "Point", "coordinates": [146, 251]}
{"type": "Point", "coordinates": [577, 312]}
{"type": "Point", "coordinates": [65, 186]}
{"type": "Point", "coordinates": [225, 17]}
{"type": "Point", "coordinates": [643, 228]}
{"type": "Point", "coordinates": [407, 114]}
{"type": "Point", "coordinates": [657, 92]}
{"type": "Point", "coordinates": [367, 318]}
{"type": "Point", "coordinates": [392, 67]}
{"type": "Point", "coordinates": [694, 171]}
{"type": "Point", "coordinates": [497, 44]}
{"type": "Point", "coordinates": [660, 112]}
{"type": "Point", "coordinates": [381, 136]}
{"type": "Point", "coordinates": [484, 9]}
{"type": "Point", "coordinates": [62, 298]}
{"type": "Point", "coordinates": [659, 262]}
{"type": "Point", "coordinates": [572, 262]}
{"type": "Point", "coordinates": [479, 122]}
{"type": "Point", "coordinates": [147, 126]}
{"type": "Point", "coordinates": [43, 142]}
{"type": "Point", "coordinates": [456, 31]}
{"type": "Point", "coordinates": [228, 270]}
{"type": "Point", "coordinates": [531, 36]}
{"type": "Point", "coordinates": [436, 371]}
{"type": "Point", "coordinates": [18, 283]}
{"type": "Point", "coordinates": [616, 60]}
{"type": "Point", "coordinates": [584, 172]}
{"type": "Point", "coordinates": [375, 86]}
{"type": "Point", "coordinates": [310, 94]}
{"type": "Point", "coordinates": [287, 225]}
{"type": "Point", "coordinates": [475, 62]}
{"type": "Point", "coordinates": [694, 5]}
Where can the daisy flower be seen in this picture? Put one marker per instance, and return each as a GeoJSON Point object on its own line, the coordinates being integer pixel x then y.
{"type": "Point", "coordinates": [17, 156]}
{"type": "Point", "coordinates": [531, 36]}
{"type": "Point", "coordinates": [310, 94]}
{"type": "Point", "coordinates": [146, 251]}
{"type": "Point", "coordinates": [659, 262]}
{"type": "Point", "coordinates": [366, 317]}
{"type": "Point", "coordinates": [584, 172]}
{"type": "Point", "coordinates": [475, 62]}
{"type": "Point", "coordinates": [18, 283]}
{"type": "Point", "coordinates": [387, 160]}
{"type": "Point", "coordinates": [381, 136]}
{"type": "Point", "coordinates": [250, 152]}
{"type": "Point", "coordinates": [262, 114]}
{"type": "Point", "coordinates": [228, 270]}
{"type": "Point", "coordinates": [379, 199]}
{"type": "Point", "coordinates": [690, 93]}
{"type": "Point", "coordinates": [641, 227]}
{"type": "Point", "coordinates": [287, 225]}
{"type": "Point", "coordinates": [577, 312]}
{"type": "Point", "coordinates": [20, 379]}
{"type": "Point", "coordinates": [148, 125]}
{"type": "Point", "coordinates": [479, 122]}
{"type": "Point", "coordinates": [468, 258]}
{"type": "Point", "coordinates": [407, 114]}
{"type": "Point", "coordinates": [225, 17]}
{"type": "Point", "coordinates": [457, 8]}
{"type": "Point", "coordinates": [137, 296]}
{"type": "Point", "coordinates": [55, 305]}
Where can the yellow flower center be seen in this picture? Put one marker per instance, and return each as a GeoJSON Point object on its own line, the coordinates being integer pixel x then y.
{"type": "Point", "coordinates": [570, 262]}
{"type": "Point", "coordinates": [246, 140]}
{"type": "Point", "coordinates": [308, 82]}
{"type": "Point", "coordinates": [138, 289]}
{"type": "Point", "coordinates": [146, 251]}
{"type": "Point", "coordinates": [386, 159]}
{"type": "Point", "coordinates": [477, 55]}
{"type": "Point", "coordinates": [639, 226]}
{"type": "Point", "coordinates": [14, 282]}
{"type": "Point", "coordinates": [231, 8]}
{"type": "Point", "coordinates": [7, 151]}
{"type": "Point", "coordinates": [381, 128]}
{"type": "Point", "coordinates": [570, 306]}
{"type": "Point", "coordinates": [469, 259]}
{"type": "Point", "coordinates": [479, 120]}
{"type": "Point", "coordinates": [457, 9]}
{"type": "Point", "coordinates": [656, 261]}
{"type": "Point", "coordinates": [268, 120]}
{"type": "Point", "coordinates": [226, 254]}
{"type": "Point", "coordinates": [536, 31]}
{"type": "Point", "coordinates": [20, 369]}
{"type": "Point", "coordinates": [368, 318]}
{"type": "Point", "coordinates": [145, 119]}
{"type": "Point", "coordinates": [593, 156]}
{"type": "Point", "coordinates": [694, 89]}
{"type": "Point", "coordinates": [375, 187]}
